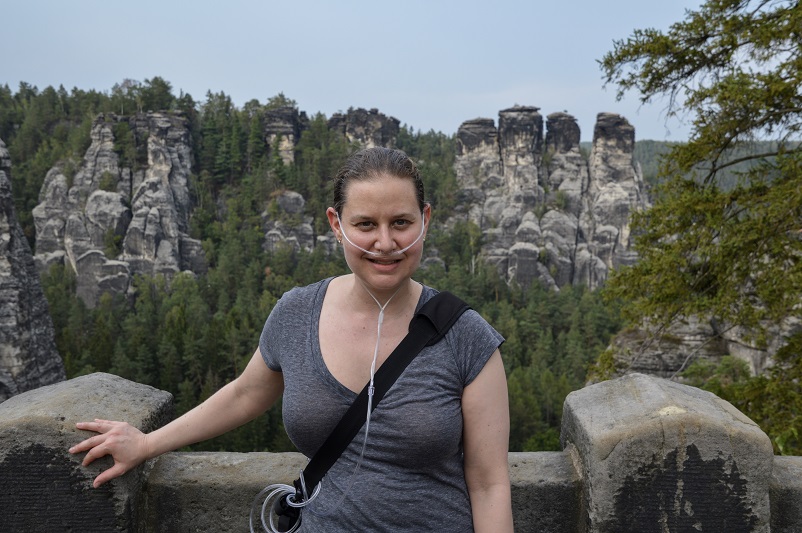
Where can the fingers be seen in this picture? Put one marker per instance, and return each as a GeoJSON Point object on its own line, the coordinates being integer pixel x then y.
{"type": "Point", "coordinates": [96, 452]}
{"type": "Point", "coordinates": [106, 475]}
{"type": "Point", "coordinates": [99, 425]}
{"type": "Point", "coordinates": [107, 442]}
{"type": "Point", "coordinates": [86, 444]}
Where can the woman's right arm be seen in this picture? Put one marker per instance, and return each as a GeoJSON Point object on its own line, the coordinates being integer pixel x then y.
{"type": "Point", "coordinates": [240, 401]}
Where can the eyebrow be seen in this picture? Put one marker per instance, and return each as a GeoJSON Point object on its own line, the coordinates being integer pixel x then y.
{"type": "Point", "coordinates": [359, 217]}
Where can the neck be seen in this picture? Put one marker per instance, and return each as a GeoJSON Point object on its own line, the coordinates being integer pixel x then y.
{"type": "Point", "coordinates": [367, 298]}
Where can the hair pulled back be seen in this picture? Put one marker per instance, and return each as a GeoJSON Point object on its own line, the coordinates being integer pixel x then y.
{"type": "Point", "coordinates": [371, 163]}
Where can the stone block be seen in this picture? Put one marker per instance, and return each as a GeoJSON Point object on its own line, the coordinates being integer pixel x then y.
{"type": "Point", "coordinates": [47, 489]}
{"type": "Point", "coordinates": [211, 491]}
{"type": "Point", "coordinates": [657, 456]}
{"type": "Point", "coordinates": [546, 494]}
{"type": "Point", "coordinates": [786, 495]}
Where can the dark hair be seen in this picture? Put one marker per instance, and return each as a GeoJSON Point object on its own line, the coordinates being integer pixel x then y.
{"type": "Point", "coordinates": [370, 163]}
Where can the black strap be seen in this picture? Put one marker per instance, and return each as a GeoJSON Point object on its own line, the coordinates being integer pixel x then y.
{"type": "Point", "coordinates": [427, 327]}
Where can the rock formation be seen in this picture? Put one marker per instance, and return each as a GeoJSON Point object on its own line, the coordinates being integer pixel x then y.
{"type": "Point", "coordinates": [283, 128]}
{"type": "Point", "coordinates": [126, 209]}
{"type": "Point", "coordinates": [546, 213]}
{"type": "Point", "coordinates": [285, 223]}
{"type": "Point", "coordinates": [367, 128]}
{"type": "Point", "coordinates": [689, 339]}
{"type": "Point", "coordinates": [28, 355]}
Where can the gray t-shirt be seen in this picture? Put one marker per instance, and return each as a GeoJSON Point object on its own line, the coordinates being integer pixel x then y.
{"type": "Point", "coordinates": [411, 477]}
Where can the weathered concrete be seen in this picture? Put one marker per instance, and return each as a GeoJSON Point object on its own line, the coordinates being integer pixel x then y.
{"type": "Point", "coordinates": [642, 454]}
{"type": "Point", "coordinates": [786, 495]}
{"type": "Point", "coordinates": [657, 456]}
{"type": "Point", "coordinates": [546, 493]}
{"type": "Point", "coordinates": [45, 488]}
{"type": "Point", "coordinates": [212, 491]}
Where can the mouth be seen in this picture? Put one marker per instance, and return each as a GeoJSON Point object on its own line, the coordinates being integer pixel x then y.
{"type": "Point", "coordinates": [385, 261]}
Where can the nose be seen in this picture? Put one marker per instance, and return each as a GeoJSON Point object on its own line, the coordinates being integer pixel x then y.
{"type": "Point", "coordinates": [384, 240]}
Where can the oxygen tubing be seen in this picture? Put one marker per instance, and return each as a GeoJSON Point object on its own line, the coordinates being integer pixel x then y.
{"type": "Point", "coordinates": [279, 490]}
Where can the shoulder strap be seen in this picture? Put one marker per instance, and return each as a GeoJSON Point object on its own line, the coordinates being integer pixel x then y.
{"type": "Point", "coordinates": [427, 327]}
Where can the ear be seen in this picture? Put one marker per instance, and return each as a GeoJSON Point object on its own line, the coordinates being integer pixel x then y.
{"type": "Point", "coordinates": [334, 223]}
{"type": "Point", "coordinates": [427, 215]}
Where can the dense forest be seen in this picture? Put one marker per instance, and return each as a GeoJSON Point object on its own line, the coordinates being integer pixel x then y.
{"type": "Point", "coordinates": [190, 335]}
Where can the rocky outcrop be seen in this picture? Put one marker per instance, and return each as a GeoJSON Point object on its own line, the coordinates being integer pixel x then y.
{"type": "Point", "coordinates": [547, 213]}
{"type": "Point", "coordinates": [285, 224]}
{"type": "Point", "coordinates": [669, 352]}
{"type": "Point", "coordinates": [28, 355]}
{"type": "Point", "coordinates": [283, 128]}
{"type": "Point", "coordinates": [126, 209]}
{"type": "Point", "coordinates": [367, 128]}
{"type": "Point", "coordinates": [615, 191]}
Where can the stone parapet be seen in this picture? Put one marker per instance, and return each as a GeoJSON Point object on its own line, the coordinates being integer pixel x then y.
{"type": "Point", "coordinates": [654, 455]}
{"type": "Point", "coordinates": [45, 487]}
{"type": "Point", "coordinates": [641, 454]}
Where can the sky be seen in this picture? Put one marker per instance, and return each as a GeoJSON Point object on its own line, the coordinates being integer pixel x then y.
{"type": "Point", "coordinates": [432, 64]}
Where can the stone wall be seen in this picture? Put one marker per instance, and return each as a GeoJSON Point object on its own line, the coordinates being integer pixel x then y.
{"type": "Point", "coordinates": [640, 454]}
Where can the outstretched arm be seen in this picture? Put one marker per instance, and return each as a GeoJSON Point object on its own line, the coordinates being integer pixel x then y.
{"type": "Point", "coordinates": [486, 419]}
{"type": "Point", "coordinates": [240, 401]}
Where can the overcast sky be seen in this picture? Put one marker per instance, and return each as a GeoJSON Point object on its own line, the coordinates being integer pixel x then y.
{"type": "Point", "coordinates": [431, 64]}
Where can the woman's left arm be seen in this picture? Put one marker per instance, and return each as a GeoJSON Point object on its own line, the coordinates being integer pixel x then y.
{"type": "Point", "coordinates": [486, 419]}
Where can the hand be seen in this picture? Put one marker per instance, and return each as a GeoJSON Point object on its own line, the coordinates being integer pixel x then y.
{"type": "Point", "coordinates": [126, 444]}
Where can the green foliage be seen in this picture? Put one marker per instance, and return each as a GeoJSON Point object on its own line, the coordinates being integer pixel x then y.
{"type": "Point", "coordinates": [279, 101]}
{"type": "Point", "coordinates": [722, 239]}
{"type": "Point", "coordinates": [771, 400]}
{"type": "Point", "coordinates": [319, 154]}
{"type": "Point", "coordinates": [108, 182]}
{"type": "Point", "coordinates": [41, 129]}
{"type": "Point", "coordinates": [125, 145]}
{"type": "Point", "coordinates": [157, 95]}
{"type": "Point", "coordinates": [731, 252]}
{"type": "Point", "coordinates": [112, 244]}
{"type": "Point", "coordinates": [561, 200]}
{"type": "Point", "coordinates": [434, 153]}
{"type": "Point", "coordinates": [191, 335]}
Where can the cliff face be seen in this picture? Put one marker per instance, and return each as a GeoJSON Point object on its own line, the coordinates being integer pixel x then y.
{"type": "Point", "coordinates": [28, 356]}
{"type": "Point", "coordinates": [286, 224]}
{"type": "Point", "coordinates": [369, 128]}
{"type": "Point", "coordinates": [125, 210]}
{"type": "Point", "coordinates": [283, 128]}
{"type": "Point", "coordinates": [550, 215]}
{"type": "Point", "coordinates": [285, 125]}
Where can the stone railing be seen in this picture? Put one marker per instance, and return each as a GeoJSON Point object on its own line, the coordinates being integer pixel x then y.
{"type": "Point", "coordinates": [641, 454]}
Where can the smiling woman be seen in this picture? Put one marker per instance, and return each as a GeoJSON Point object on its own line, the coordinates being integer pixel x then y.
{"type": "Point", "coordinates": [433, 454]}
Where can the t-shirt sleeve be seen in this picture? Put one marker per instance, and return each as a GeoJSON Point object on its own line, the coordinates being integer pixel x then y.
{"type": "Point", "coordinates": [473, 341]}
{"type": "Point", "coordinates": [271, 332]}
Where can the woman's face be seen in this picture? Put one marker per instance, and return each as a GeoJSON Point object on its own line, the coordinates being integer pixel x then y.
{"type": "Point", "coordinates": [381, 216]}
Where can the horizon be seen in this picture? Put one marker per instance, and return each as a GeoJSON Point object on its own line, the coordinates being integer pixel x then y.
{"type": "Point", "coordinates": [432, 66]}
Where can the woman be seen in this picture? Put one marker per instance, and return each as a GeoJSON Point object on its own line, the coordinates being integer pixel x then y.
{"type": "Point", "coordinates": [435, 457]}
